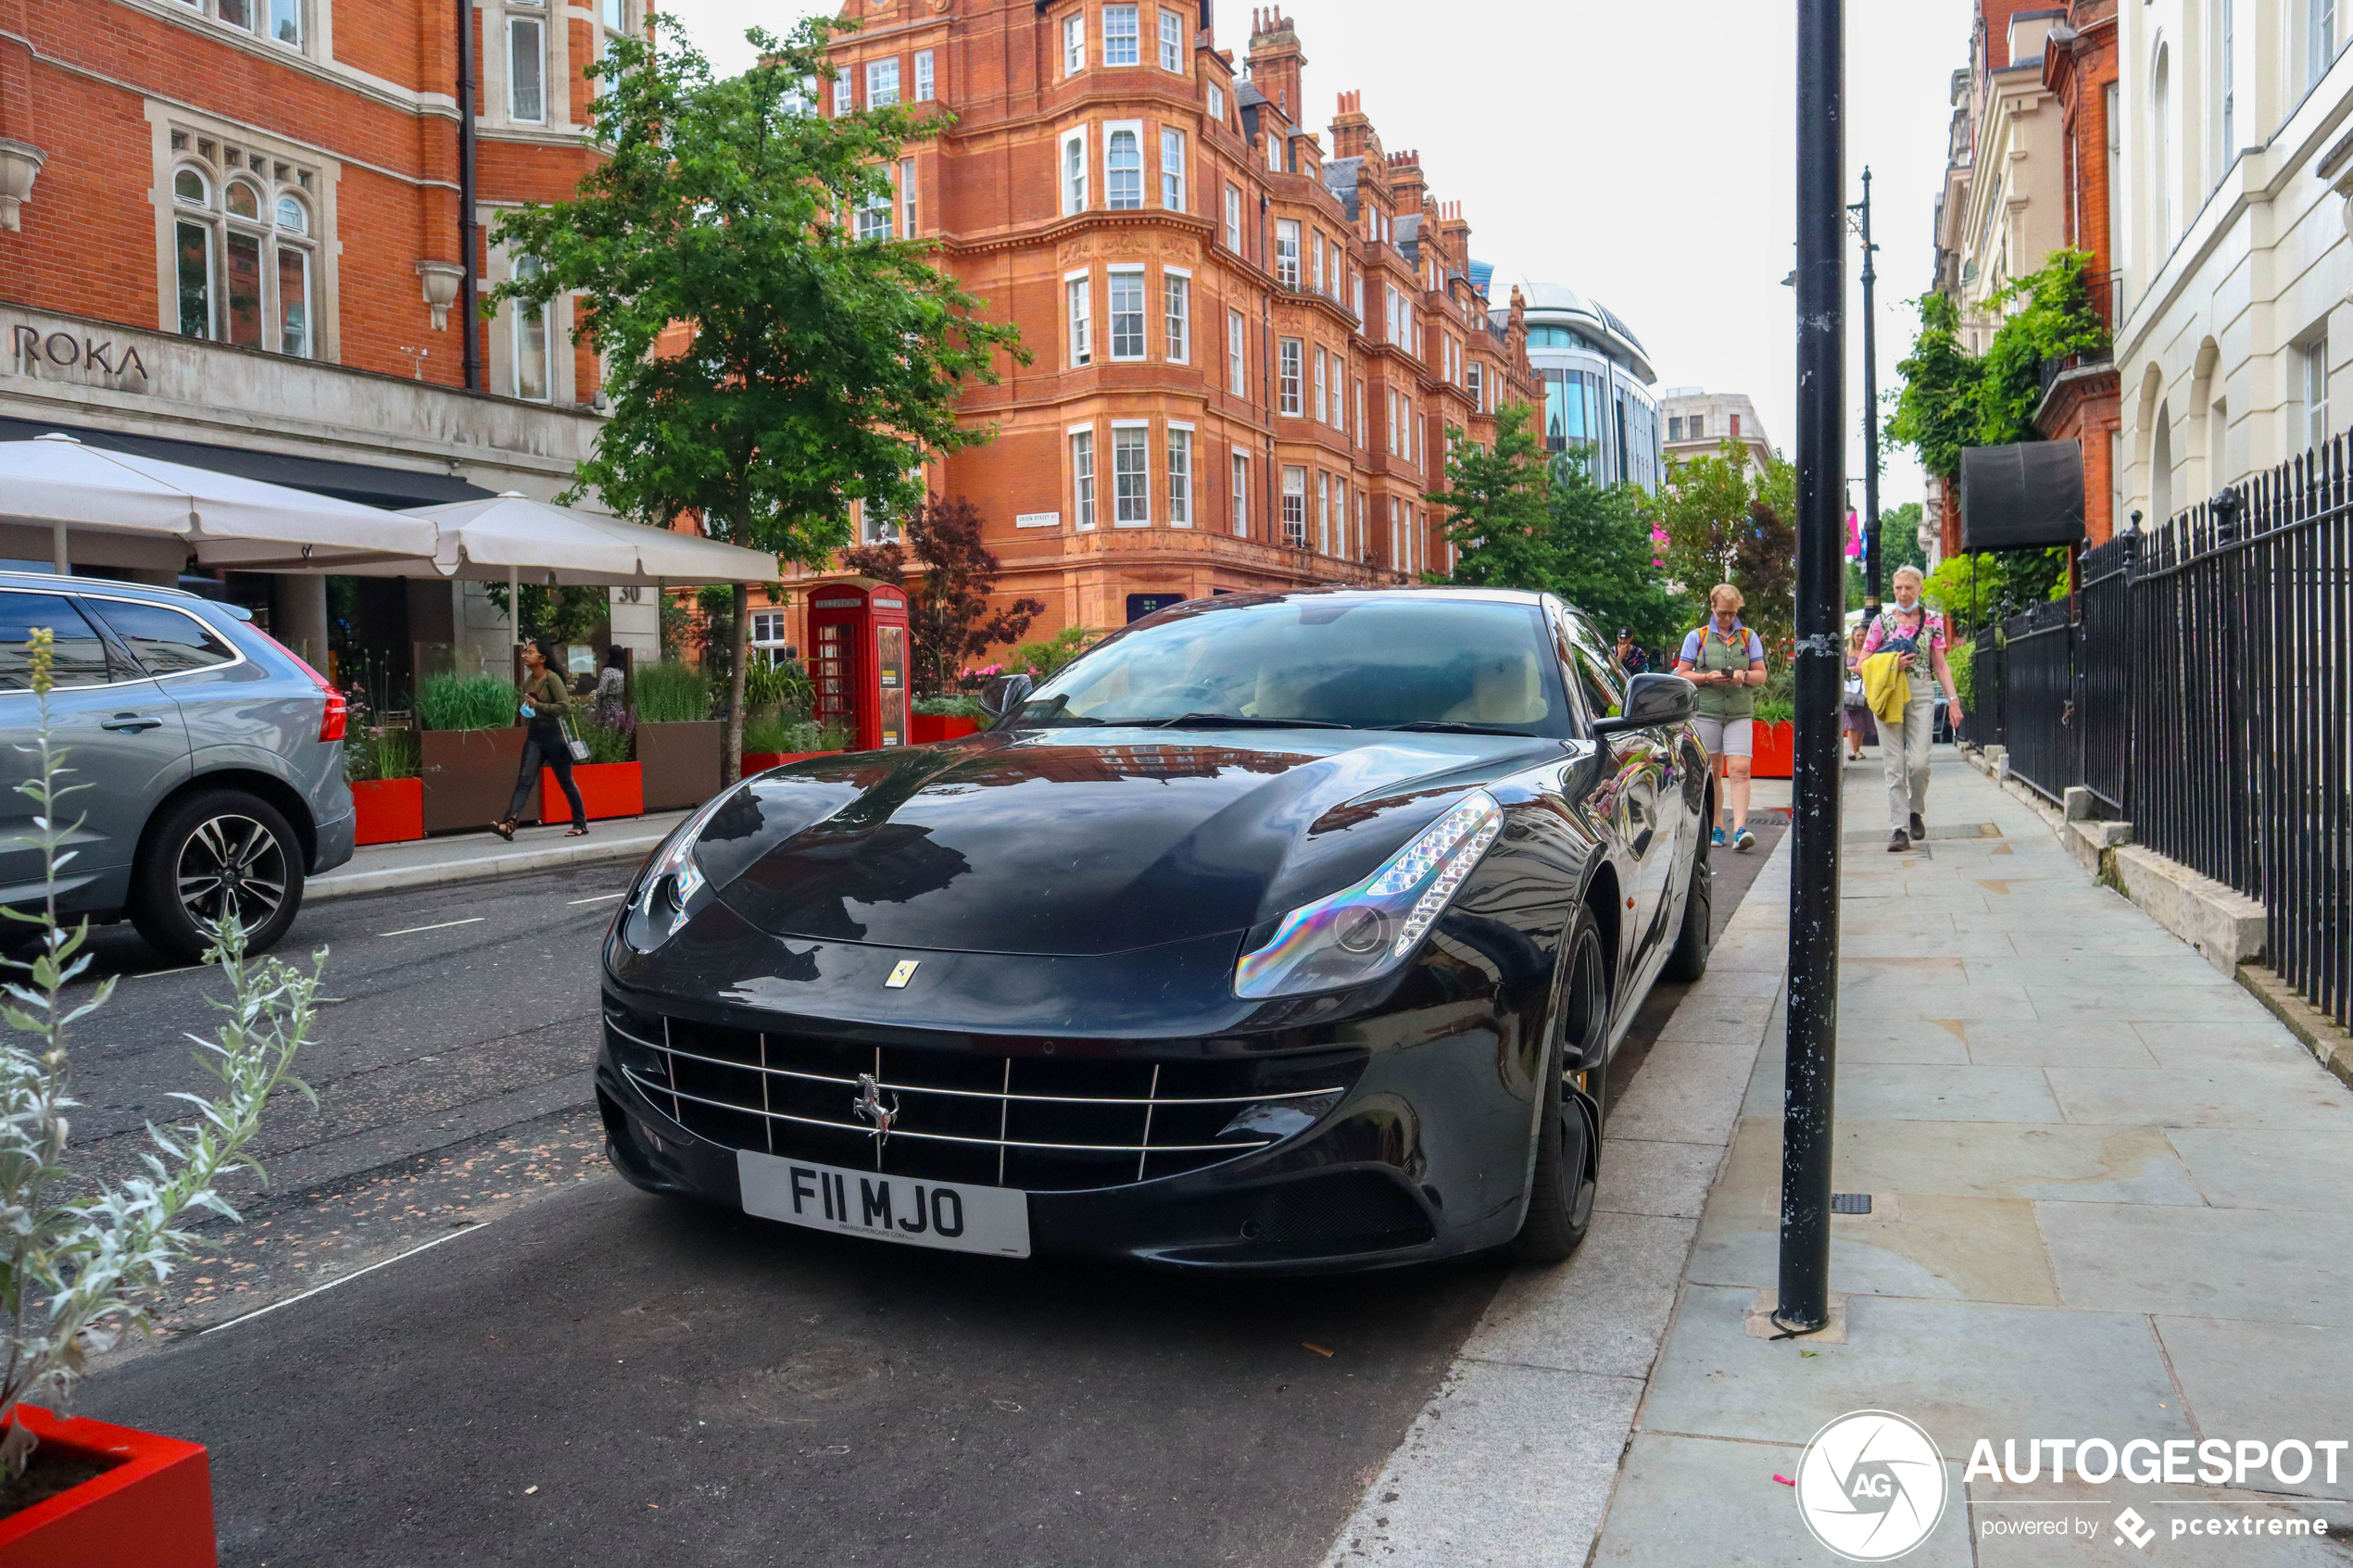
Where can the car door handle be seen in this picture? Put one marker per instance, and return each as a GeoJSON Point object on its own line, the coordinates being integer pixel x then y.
{"type": "Point", "coordinates": [130, 723]}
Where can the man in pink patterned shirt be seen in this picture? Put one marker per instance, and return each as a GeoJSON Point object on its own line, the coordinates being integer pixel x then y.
{"type": "Point", "coordinates": [1916, 634]}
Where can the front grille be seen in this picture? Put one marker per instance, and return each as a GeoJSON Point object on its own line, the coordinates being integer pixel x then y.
{"type": "Point", "coordinates": [1046, 1120]}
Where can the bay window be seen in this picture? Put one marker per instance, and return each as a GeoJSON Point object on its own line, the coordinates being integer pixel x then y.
{"type": "Point", "coordinates": [1234, 220]}
{"type": "Point", "coordinates": [1287, 252]}
{"type": "Point", "coordinates": [1288, 383]}
{"type": "Point", "coordinates": [1131, 473]}
{"type": "Point", "coordinates": [1180, 476]}
{"type": "Point", "coordinates": [1082, 322]}
{"type": "Point", "coordinates": [1172, 42]}
{"type": "Point", "coordinates": [1121, 43]}
{"type": "Point", "coordinates": [1128, 313]}
{"type": "Point", "coordinates": [1082, 477]}
{"type": "Point", "coordinates": [1177, 301]}
{"type": "Point", "coordinates": [1172, 170]}
{"type": "Point", "coordinates": [1236, 355]}
{"type": "Point", "coordinates": [1323, 402]}
{"type": "Point", "coordinates": [1075, 43]}
{"type": "Point", "coordinates": [1073, 180]}
{"type": "Point", "coordinates": [1241, 494]}
{"type": "Point", "coordinates": [1124, 169]}
{"type": "Point", "coordinates": [923, 76]}
{"type": "Point", "coordinates": [1294, 507]}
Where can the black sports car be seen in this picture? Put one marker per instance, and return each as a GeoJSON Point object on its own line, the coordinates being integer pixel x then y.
{"type": "Point", "coordinates": [1276, 931]}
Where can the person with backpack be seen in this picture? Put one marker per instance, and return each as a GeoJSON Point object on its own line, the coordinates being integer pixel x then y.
{"type": "Point", "coordinates": [1914, 634]}
{"type": "Point", "coordinates": [1725, 662]}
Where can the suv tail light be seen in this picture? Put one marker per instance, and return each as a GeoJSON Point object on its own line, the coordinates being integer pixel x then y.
{"type": "Point", "coordinates": [338, 713]}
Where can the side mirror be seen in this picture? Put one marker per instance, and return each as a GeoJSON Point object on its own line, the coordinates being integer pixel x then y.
{"type": "Point", "coordinates": [1004, 694]}
{"type": "Point", "coordinates": [1652, 702]}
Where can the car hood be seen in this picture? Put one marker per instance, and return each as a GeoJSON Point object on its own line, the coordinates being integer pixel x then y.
{"type": "Point", "coordinates": [1082, 842]}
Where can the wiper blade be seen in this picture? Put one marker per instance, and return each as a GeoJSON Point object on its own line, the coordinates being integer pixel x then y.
{"type": "Point", "coordinates": [1455, 727]}
{"type": "Point", "coordinates": [1233, 721]}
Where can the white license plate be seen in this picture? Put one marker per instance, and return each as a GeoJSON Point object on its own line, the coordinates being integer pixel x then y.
{"type": "Point", "coordinates": [826, 1198]}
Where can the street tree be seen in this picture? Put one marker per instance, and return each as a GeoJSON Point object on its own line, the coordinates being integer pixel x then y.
{"type": "Point", "coordinates": [767, 364]}
{"type": "Point", "coordinates": [1498, 502]}
{"type": "Point", "coordinates": [1603, 547]}
{"type": "Point", "coordinates": [1726, 522]}
{"type": "Point", "coordinates": [950, 618]}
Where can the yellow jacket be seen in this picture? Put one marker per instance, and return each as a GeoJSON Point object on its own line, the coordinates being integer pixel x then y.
{"type": "Point", "coordinates": [1885, 687]}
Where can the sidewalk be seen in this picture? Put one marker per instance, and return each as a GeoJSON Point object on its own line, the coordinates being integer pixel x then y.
{"type": "Point", "coordinates": [2112, 1197]}
{"type": "Point", "coordinates": [474, 856]}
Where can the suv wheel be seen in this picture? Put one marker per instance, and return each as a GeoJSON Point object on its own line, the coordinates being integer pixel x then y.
{"type": "Point", "coordinates": [211, 855]}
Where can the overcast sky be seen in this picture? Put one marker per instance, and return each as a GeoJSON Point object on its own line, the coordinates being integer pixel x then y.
{"type": "Point", "coordinates": [1640, 154]}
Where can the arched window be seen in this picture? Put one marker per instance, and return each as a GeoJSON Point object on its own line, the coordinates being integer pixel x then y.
{"type": "Point", "coordinates": [190, 186]}
{"type": "Point", "coordinates": [244, 200]}
{"type": "Point", "coordinates": [241, 265]}
{"type": "Point", "coordinates": [1123, 169]}
{"type": "Point", "coordinates": [293, 216]}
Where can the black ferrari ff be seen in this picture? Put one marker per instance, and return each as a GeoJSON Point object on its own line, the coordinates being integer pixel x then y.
{"type": "Point", "coordinates": [1276, 931]}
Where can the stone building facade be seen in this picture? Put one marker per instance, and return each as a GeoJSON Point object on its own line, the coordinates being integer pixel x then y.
{"type": "Point", "coordinates": [1250, 339]}
{"type": "Point", "coordinates": [228, 236]}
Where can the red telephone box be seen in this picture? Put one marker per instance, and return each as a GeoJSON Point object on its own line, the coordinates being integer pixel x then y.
{"type": "Point", "coordinates": [858, 659]}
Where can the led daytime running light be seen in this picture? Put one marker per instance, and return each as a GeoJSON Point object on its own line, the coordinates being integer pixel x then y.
{"type": "Point", "coordinates": [1441, 891]}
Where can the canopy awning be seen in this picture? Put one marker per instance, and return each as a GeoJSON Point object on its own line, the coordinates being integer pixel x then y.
{"type": "Point", "coordinates": [546, 542]}
{"type": "Point", "coordinates": [56, 482]}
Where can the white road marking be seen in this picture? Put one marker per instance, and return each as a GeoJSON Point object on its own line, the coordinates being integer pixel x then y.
{"type": "Point", "coordinates": [264, 1311]}
{"type": "Point", "coordinates": [601, 898]}
{"type": "Point", "coordinates": [411, 931]}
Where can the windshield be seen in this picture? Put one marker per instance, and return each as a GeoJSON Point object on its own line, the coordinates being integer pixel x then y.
{"type": "Point", "coordinates": [1360, 663]}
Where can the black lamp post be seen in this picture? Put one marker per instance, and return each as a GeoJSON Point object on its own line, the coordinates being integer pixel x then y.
{"type": "Point", "coordinates": [1871, 584]}
{"type": "Point", "coordinates": [1820, 668]}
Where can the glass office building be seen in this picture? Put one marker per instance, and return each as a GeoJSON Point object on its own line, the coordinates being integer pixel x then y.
{"type": "Point", "coordinates": [1598, 397]}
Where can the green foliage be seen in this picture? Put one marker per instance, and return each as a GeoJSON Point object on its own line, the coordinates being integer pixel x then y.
{"type": "Point", "coordinates": [465, 702]}
{"type": "Point", "coordinates": [606, 743]}
{"type": "Point", "coordinates": [963, 706]}
{"type": "Point", "coordinates": [671, 693]}
{"type": "Point", "coordinates": [781, 686]}
{"type": "Point", "coordinates": [1726, 522]}
{"type": "Point", "coordinates": [86, 1258]}
{"type": "Point", "coordinates": [372, 754]}
{"type": "Point", "coordinates": [773, 735]}
{"type": "Point", "coordinates": [767, 367]}
{"type": "Point", "coordinates": [1987, 589]}
{"type": "Point", "coordinates": [1952, 398]}
{"type": "Point", "coordinates": [1775, 710]}
{"type": "Point", "coordinates": [561, 615]}
{"type": "Point", "coordinates": [1962, 657]}
{"type": "Point", "coordinates": [1521, 519]}
{"type": "Point", "coordinates": [1046, 659]}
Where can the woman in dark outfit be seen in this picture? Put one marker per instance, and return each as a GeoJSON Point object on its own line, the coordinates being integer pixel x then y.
{"type": "Point", "coordinates": [543, 705]}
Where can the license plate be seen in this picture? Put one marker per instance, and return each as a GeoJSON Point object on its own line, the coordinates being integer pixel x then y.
{"type": "Point", "coordinates": [826, 1198]}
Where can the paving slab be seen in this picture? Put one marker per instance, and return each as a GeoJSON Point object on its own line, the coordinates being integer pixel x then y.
{"type": "Point", "coordinates": [1656, 1176]}
{"type": "Point", "coordinates": [2269, 1381]}
{"type": "Point", "coordinates": [2009, 1160]}
{"type": "Point", "coordinates": [1604, 1310]}
{"type": "Point", "coordinates": [2266, 1168]}
{"type": "Point", "coordinates": [2292, 1096]}
{"type": "Point", "coordinates": [2156, 1004]}
{"type": "Point", "coordinates": [2265, 1264]}
{"type": "Point", "coordinates": [2206, 1042]}
{"type": "Point", "coordinates": [2075, 1042]}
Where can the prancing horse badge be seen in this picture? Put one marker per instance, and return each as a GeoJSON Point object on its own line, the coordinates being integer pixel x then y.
{"type": "Point", "coordinates": [901, 973]}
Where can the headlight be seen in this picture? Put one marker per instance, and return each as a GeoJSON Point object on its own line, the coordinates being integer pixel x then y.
{"type": "Point", "coordinates": [673, 878]}
{"type": "Point", "coordinates": [1364, 932]}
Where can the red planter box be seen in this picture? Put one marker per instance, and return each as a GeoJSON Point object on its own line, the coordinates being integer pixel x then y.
{"type": "Point", "coordinates": [1775, 749]}
{"type": "Point", "coordinates": [390, 810]}
{"type": "Point", "coordinates": [606, 789]}
{"type": "Point", "coordinates": [153, 1510]}
{"type": "Point", "coordinates": [925, 728]}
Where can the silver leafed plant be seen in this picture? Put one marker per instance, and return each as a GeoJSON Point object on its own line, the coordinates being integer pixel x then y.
{"type": "Point", "coordinates": [78, 1272]}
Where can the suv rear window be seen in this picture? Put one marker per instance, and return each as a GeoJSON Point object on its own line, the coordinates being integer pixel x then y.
{"type": "Point", "coordinates": [80, 658]}
{"type": "Point", "coordinates": [166, 640]}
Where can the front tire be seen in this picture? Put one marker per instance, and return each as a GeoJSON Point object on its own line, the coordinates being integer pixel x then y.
{"type": "Point", "coordinates": [209, 855]}
{"type": "Point", "coordinates": [1560, 1194]}
{"type": "Point", "coordinates": [1688, 963]}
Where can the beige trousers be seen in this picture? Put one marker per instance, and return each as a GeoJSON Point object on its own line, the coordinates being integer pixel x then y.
{"type": "Point", "coordinates": [1903, 748]}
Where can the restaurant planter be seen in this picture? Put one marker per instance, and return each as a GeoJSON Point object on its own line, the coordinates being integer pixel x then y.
{"type": "Point", "coordinates": [679, 762]}
{"type": "Point", "coordinates": [606, 789]}
{"type": "Point", "coordinates": [923, 729]}
{"type": "Point", "coordinates": [152, 1508]}
{"type": "Point", "coordinates": [388, 811]}
{"type": "Point", "coordinates": [1776, 749]}
{"type": "Point", "coordinates": [469, 776]}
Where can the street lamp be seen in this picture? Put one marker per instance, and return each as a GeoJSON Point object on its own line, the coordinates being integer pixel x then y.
{"type": "Point", "coordinates": [1811, 1045]}
{"type": "Point", "coordinates": [1871, 410]}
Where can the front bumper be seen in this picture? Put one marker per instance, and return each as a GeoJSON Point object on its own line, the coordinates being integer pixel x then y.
{"type": "Point", "coordinates": [1420, 1153]}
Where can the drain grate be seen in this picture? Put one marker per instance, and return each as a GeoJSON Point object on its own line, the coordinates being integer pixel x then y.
{"type": "Point", "coordinates": [1850, 1203]}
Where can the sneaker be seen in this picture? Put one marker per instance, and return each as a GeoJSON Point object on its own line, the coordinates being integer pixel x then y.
{"type": "Point", "coordinates": [1919, 829]}
{"type": "Point", "coordinates": [1718, 839]}
{"type": "Point", "coordinates": [1898, 842]}
{"type": "Point", "coordinates": [1743, 841]}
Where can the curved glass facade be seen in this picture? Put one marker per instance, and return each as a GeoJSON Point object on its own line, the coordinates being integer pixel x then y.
{"type": "Point", "coordinates": [1597, 388]}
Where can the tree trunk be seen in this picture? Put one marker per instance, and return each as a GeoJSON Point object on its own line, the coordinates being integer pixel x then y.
{"type": "Point", "coordinates": [739, 637]}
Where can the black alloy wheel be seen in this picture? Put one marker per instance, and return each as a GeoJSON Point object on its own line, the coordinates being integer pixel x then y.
{"type": "Point", "coordinates": [1696, 937]}
{"type": "Point", "coordinates": [212, 857]}
{"type": "Point", "coordinates": [1560, 1194]}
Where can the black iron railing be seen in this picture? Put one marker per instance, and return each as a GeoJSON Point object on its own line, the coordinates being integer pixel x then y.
{"type": "Point", "coordinates": [2200, 684]}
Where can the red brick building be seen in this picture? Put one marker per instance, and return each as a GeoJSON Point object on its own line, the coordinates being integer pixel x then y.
{"type": "Point", "coordinates": [1249, 339]}
{"type": "Point", "coordinates": [235, 243]}
{"type": "Point", "coordinates": [2081, 403]}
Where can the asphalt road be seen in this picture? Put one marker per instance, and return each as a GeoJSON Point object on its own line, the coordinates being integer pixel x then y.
{"type": "Point", "coordinates": [571, 1366]}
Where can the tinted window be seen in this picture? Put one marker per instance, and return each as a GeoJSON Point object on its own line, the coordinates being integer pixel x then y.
{"type": "Point", "coordinates": [80, 658]}
{"type": "Point", "coordinates": [1597, 671]}
{"type": "Point", "coordinates": [1367, 663]}
{"type": "Point", "coordinates": [165, 639]}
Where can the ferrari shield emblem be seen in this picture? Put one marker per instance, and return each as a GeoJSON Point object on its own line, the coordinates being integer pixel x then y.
{"type": "Point", "coordinates": [901, 973]}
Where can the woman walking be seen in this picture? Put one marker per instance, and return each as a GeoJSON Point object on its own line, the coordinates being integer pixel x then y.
{"type": "Point", "coordinates": [1914, 634]}
{"type": "Point", "coordinates": [1856, 718]}
{"type": "Point", "coordinates": [543, 705]}
{"type": "Point", "coordinates": [1726, 660]}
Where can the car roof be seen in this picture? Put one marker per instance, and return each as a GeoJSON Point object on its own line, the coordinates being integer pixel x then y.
{"type": "Point", "coordinates": [52, 583]}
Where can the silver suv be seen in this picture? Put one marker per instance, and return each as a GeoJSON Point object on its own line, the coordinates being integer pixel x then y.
{"type": "Point", "coordinates": [210, 760]}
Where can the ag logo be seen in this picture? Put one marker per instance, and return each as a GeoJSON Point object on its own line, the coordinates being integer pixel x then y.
{"type": "Point", "coordinates": [1872, 1486]}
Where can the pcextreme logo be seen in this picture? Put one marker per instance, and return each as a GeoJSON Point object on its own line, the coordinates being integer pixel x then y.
{"type": "Point", "coordinates": [1871, 1486]}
